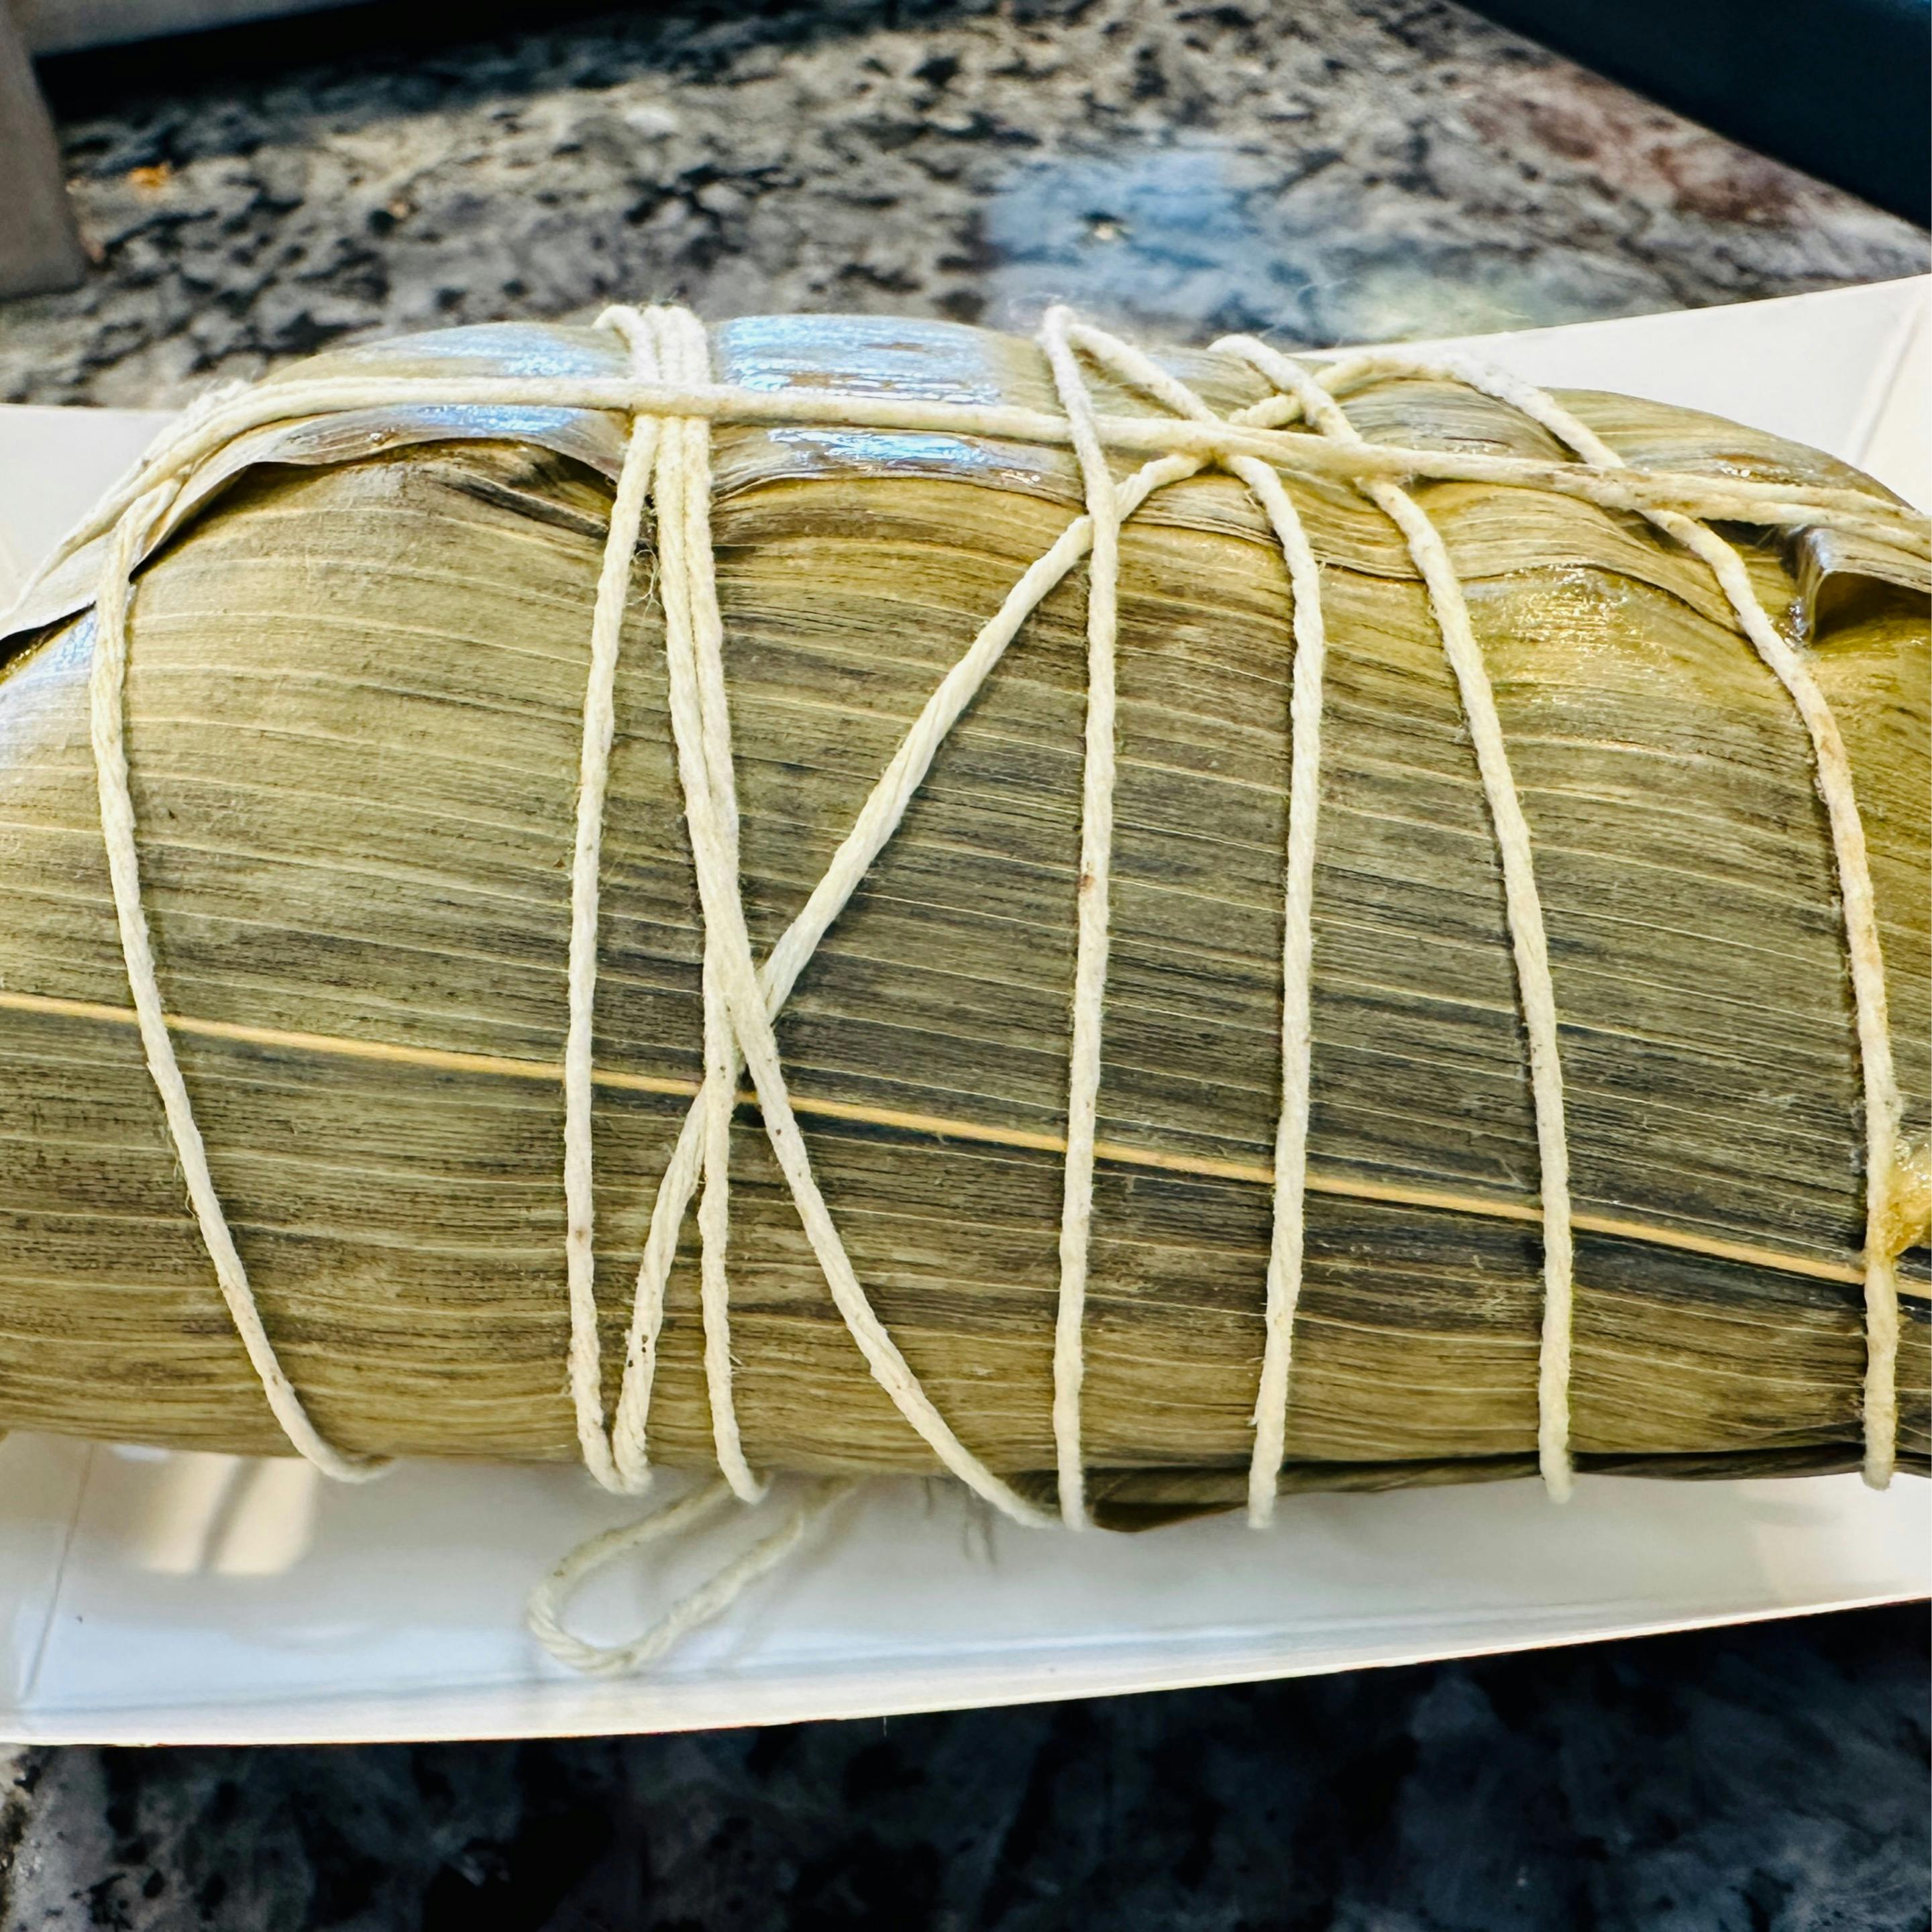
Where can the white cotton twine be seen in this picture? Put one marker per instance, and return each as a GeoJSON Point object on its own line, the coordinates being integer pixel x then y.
{"type": "Point", "coordinates": [672, 403]}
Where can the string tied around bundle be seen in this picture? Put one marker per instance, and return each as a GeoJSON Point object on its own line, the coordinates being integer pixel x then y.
{"type": "Point", "coordinates": [671, 404]}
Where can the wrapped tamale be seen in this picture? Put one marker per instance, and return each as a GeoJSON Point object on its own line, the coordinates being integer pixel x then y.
{"type": "Point", "coordinates": [358, 642]}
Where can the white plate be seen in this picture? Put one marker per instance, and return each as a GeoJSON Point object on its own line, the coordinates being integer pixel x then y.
{"type": "Point", "coordinates": [196, 1598]}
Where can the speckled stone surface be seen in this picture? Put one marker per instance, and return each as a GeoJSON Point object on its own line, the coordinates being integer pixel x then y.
{"type": "Point", "coordinates": [1767, 1779]}
{"type": "Point", "coordinates": [1341, 169]}
{"type": "Point", "coordinates": [1335, 170]}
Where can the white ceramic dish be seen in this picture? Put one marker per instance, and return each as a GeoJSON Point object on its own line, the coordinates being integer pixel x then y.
{"type": "Point", "coordinates": [151, 1598]}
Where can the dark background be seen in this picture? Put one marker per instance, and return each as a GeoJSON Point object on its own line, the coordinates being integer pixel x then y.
{"type": "Point", "coordinates": [1732, 1781]}
{"type": "Point", "coordinates": [1843, 87]}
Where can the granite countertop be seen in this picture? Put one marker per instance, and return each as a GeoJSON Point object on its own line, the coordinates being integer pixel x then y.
{"type": "Point", "coordinates": [1767, 1779]}
{"type": "Point", "coordinates": [1340, 170]}
{"type": "Point", "coordinates": [1344, 169]}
